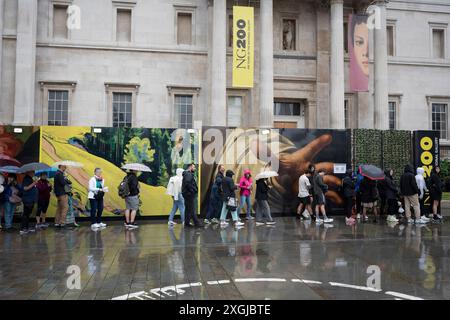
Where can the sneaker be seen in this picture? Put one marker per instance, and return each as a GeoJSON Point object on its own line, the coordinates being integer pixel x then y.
{"type": "Point", "coordinates": [126, 224]}
{"type": "Point", "coordinates": [306, 215]}
{"type": "Point", "coordinates": [206, 221]}
{"type": "Point", "coordinates": [94, 227]}
{"type": "Point", "coordinates": [214, 220]}
{"type": "Point", "coordinates": [238, 224]}
{"type": "Point", "coordinates": [259, 223]}
{"type": "Point", "coordinates": [31, 230]}
{"type": "Point", "coordinates": [328, 225]}
{"type": "Point", "coordinates": [103, 225]}
{"type": "Point", "coordinates": [76, 225]}
{"type": "Point", "coordinates": [327, 220]}
{"type": "Point", "coordinates": [171, 223]}
{"type": "Point", "coordinates": [424, 218]}
{"type": "Point", "coordinates": [250, 218]}
{"type": "Point", "coordinates": [421, 221]}
{"type": "Point", "coordinates": [391, 218]}
{"type": "Point", "coordinates": [439, 216]}
{"type": "Point", "coordinates": [44, 225]}
{"type": "Point", "coordinates": [319, 221]}
{"type": "Point", "coordinates": [223, 224]}
{"type": "Point", "coordinates": [410, 221]}
{"type": "Point", "coordinates": [22, 232]}
{"type": "Point", "coordinates": [358, 216]}
{"type": "Point", "coordinates": [366, 218]}
{"type": "Point", "coordinates": [270, 223]}
{"type": "Point", "coordinates": [133, 225]}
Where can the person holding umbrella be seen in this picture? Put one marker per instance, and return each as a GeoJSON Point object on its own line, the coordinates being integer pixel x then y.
{"type": "Point", "coordinates": [44, 189]}
{"type": "Point", "coordinates": [132, 200]}
{"type": "Point", "coordinates": [262, 207]}
{"type": "Point", "coordinates": [29, 199]}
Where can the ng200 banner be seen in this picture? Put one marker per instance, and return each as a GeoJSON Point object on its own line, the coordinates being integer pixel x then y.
{"type": "Point", "coordinates": [243, 48]}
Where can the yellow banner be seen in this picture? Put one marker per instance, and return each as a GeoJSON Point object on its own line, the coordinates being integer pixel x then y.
{"type": "Point", "coordinates": [243, 48]}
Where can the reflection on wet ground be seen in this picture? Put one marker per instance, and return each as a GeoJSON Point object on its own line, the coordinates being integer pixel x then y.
{"type": "Point", "coordinates": [293, 260]}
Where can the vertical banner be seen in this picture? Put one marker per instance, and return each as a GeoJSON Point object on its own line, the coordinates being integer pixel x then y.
{"type": "Point", "coordinates": [243, 48]}
{"type": "Point", "coordinates": [358, 50]}
{"type": "Point", "coordinates": [426, 155]}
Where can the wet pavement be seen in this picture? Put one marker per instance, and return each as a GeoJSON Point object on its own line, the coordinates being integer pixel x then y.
{"type": "Point", "coordinates": [293, 260]}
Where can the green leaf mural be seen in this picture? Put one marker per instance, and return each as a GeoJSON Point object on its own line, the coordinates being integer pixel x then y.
{"type": "Point", "coordinates": [138, 151]}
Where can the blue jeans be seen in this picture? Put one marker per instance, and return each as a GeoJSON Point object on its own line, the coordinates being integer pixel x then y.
{"type": "Point", "coordinates": [9, 214]}
{"type": "Point", "coordinates": [223, 215]}
{"type": "Point", "coordinates": [178, 205]}
{"type": "Point", "coordinates": [245, 199]}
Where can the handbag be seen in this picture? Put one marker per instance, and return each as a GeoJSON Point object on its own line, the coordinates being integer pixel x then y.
{"type": "Point", "coordinates": [99, 195]}
{"type": "Point", "coordinates": [232, 203]}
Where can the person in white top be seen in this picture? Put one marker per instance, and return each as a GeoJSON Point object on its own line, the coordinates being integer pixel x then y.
{"type": "Point", "coordinates": [96, 193]}
{"type": "Point", "coordinates": [174, 190]}
{"type": "Point", "coordinates": [304, 195]}
{"type": "Point", "coordinates": [420, 180]}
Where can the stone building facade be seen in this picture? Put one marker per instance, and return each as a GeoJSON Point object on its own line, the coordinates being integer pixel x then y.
{"type": "Point", "coordinates": [167, 63]}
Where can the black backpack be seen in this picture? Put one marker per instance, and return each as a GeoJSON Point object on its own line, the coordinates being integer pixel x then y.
{"type": "Point", "coordinates": [123, 188]}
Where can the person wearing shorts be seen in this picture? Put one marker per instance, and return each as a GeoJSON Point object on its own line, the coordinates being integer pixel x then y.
{"type": "Point", "coordinates": [304, 195]}
{"type": "Point", "coordinates": [132, 200]}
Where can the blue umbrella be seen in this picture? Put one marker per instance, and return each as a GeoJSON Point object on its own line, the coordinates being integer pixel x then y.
{"type": "Point", "coordinates": [9, 169]}
{"type": "Point", "coordinates": [51, 173]}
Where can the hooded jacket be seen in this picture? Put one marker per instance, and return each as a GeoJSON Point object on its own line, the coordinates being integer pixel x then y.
{"type": "Point", "coordinates": [228, 186]}
{"type": "Point", "coordinates": [175, 183]}
{"type": "Point", "coordinates": [262, 190]}
{"type": "Point", "coordinates": [436, 185]}
{"type": "Point", "coordinates": [390, 189]}
{"type": "Point", "coordinates": [189, 187]}
{"type": "Point", "coordinates": [420, 180]}
{"type": "Point", "coordinates": [245, 183]}
{"type": "Point", "coordinates": [408, 185]}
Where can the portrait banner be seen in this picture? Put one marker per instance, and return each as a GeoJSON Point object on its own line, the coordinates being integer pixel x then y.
{"type": "Point", "coordinates": [243, 48]}
{"type": "Point", "coordinates": [358, 50]}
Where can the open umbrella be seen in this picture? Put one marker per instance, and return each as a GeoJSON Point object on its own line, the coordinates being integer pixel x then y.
{"type": "Point", "coordinates": [68, 163]}
{"type": "Point", "coordinates": [51, 173]}
{"type": "Point", "coordinates": [266, 174]}
{"type": "Point", "coordinates": [372, 172]}
{"type": "Point", "coordinates": [34, 166]}
{"type": "Point", "coordinates": [8, 161]}
{"type": "Point", "coordinates": [9, 169]}
{"type": "Point", "coordinates": [136, 167]}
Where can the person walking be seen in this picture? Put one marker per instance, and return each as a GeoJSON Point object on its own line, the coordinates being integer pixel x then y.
{"type": "Point", "coordinates": [96, 193]}
{"type": "Point", "coordinates": [263, 215]}
{"type": "Point", "coordinates": [189, 191]}
{"type": "Point", "coordinates": [215, 199]}
{"type": "Point", "coordinates": [29, 199]}
{"type": "Point", "coordinates": [348, 191]}
{"type": "Point", "coordinates": [410, 193]}
{"type": "Point", "coordinates": [61, 190]}
{"type": "Point", "coordinates": [44, 191]}
{"type": "Point", "coordinates": [369, 194]}
{"type": "Point", "coordinates": [246, 186]}
{"type": "Point", "coordinates": [174, 190]}
{"type": "Point", "coordinates": [319, 197]}
{"type": "Point", "coordinates": [304, 194]}
{"type": "Point", "coordinates": [228, 198]}
{"type": "Point", "coordinates": [436, 188]}
{"type": "Point", "coordinates": [12, 199]}
{"type": "Point", "coordinates": [421, 184]}
{"type": "Point", "coordinates": [131, 199]}
{"type": "Point", "coordinates": [391, 193]}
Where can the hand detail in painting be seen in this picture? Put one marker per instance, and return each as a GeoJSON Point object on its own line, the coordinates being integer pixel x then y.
{"type": "Point", "coordinates": [293, 165]}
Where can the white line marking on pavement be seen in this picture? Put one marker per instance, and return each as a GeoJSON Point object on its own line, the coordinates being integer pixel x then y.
{"type": "Point", "coordinates": [218, 282]}
{"type": "Point", "coordinates": [337, 284]}
{"type": "Point", "coordinates": [306, 281]}
{"type": "Point", "coordinates": [260, 280]}
{"type": "Point", "coordinates": [402, 295]}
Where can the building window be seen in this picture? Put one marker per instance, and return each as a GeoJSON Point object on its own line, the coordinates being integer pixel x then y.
{"type": "Point", "coordinates": [60, 21]}
{"type": "Point", "coordinates": [234, 111]}
{"type": "Point", "coordinates": [123, 25]}
{"type": "Point", "coordinates": [438, 43]}
{"type": "Point", "coordinates": [287, 109]}
{"type": "Point", "coordinates": [346, 37]}
{"type": "Point", "coordinates": [184, 26]}
{"type": "Point", "coordinates": [122, 109]}
{"type": "Point", "coordinates": [390, 40]}
{"type": "Point", "coordinates": [289, 34]}
{"type": "Point", "coordinates": [58, 108]}
{"type": "Point", "coordinates": [184, 111]}
{"type": "Point", "coordinates": [392, 115]}
{"type": "Point", "coordinates": [439, 119]}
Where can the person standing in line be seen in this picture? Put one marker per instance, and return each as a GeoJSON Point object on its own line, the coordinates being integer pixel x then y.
{"type": "Point", "coordinates": [410, 193]}
{"type": "Point", "coordinates": [263, 215]}
{"type": "Point", "coordinates": [215, 200]}
{"type": "Point", "coordinates": [319, 195]}
{"type": "Point", "coordinates": [189, 191]}
{"type": "Point", "coordinates": [358, 194]}
{"type": "Point", "coordinates": [174, 190]}
{"type": "Point", "coordinates": [12, 199]}
{"type": "Point", "coordinates": [29, 199]}
{"type": "Point", "coordinates": [44, 191]}
{"type": "Point", "coordinates": [96, 194]}
{"type": "Point", "coordinates": [229, 188]}
{"type": "Point", "coordinates": [369, 194]}
{"type": "Point", "coordinates": [420, 180]}
{"type": "Point", "coordinates": [381, 190]}
{"type": "Point", "coordinates": [60, 189]}
{"type": "Point", "coordinates": [436, 188]}
{"type": "Point", "coordinates": [348, 190]}
{"type": "Point", "coordinates": [391, 193]}
{"type": "Point", "coordinates": [304, 195]}
{"type": "Point", "coordinates": [246, 186]}
{"type": "Point", "coordinates": [131, 200]}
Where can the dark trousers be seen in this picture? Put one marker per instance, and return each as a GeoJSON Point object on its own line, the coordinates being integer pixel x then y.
{"type": "Point", "coordinates": [189, 203]}
{"type": "Point", "coordinates": [383, 203]}
{"type": "Point", "coordinates": [348, 206]}
{"type": "Point", "coordinates": [392, 207]}
{"type": "Point", "coordinates": [358, 203]}
{"type": "Point", "coordinates": [422, 206]}
{"type": "Point", "coordinates": [96, 210]}
{"type": "Point", "coordinates": [27, 210]}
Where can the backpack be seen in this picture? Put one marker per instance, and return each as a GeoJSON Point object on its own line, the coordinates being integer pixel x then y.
{"type": "Point", "coordinates": [123, 188]}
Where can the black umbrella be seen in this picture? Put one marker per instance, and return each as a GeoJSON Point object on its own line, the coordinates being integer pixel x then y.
{"type": "Point", "coordinates": [372, 172]}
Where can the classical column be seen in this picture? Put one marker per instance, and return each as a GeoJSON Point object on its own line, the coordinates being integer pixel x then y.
{"type": "Point", "coordinates": [337, 117]}
{"type": "Point", "coordinates": [25, 62]}
{"type": "Point", "coordinates": [219, 65]}
{"type": "Point", "coordinates": [266, 67]}
{"type": "Point", "coordinates": [381, 99]}
{"type": "Point", "coordinates": [2, 5]}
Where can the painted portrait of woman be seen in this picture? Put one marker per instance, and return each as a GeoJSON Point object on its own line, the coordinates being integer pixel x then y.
{"type": "Point", "coordinates": [359, 53]}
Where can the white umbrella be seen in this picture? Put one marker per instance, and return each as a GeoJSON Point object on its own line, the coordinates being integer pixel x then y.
{"type": "Point", "coordinates": [68, 163]}
{"type": "Point", "coordinates": [266, 174]}
{"type": "Point", "coordinates": [136, 167]}
{"type": "Point", "coordinates": [34, 166]}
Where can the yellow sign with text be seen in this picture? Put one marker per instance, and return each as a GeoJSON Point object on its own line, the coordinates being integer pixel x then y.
{"type": "Point", "coordinates": [243, 48]}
